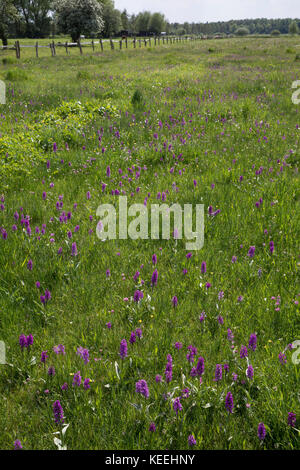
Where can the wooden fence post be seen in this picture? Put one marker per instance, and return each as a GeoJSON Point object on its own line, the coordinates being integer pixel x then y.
{"type": "Point", "coordinates": [101, 44]}
{"type": "Point", "coordinates": [50, 45]}
{"type": "Point", "coordinates": [79, 45]}
{"type": "Point", "coordinates": [37, 49]}
{"type": "Point", "coordinates": [126, 43]}
{"type": "Point", "coordinates": [120, 44]}
{"type": "Point", "coordinates": [111, 44]}
{"type": "Point", "coordinates": [53, 47]}
{"type": "Point", "coordinates": [93, 45]}
{"type": "Point", "coordinates": [134, 42]}
{"type": "Point", "coordinates": [66, 46]}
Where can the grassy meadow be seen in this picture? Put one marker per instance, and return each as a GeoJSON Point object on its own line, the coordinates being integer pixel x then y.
{"type": "Point", "coordinates": [208, 122]}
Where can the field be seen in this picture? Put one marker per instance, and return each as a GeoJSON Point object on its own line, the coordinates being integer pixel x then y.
{"type": "Point", "coordinates": [210, 122]}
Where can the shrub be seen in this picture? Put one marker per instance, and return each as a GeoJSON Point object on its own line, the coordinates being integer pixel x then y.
{"type": "Point", "coordinates": [242, 31]}
{"type": "Point", "coordinates": [275, 32]}
{"type": "Point", "coordinates": [137, 98]}
{"type": "Point", "coordinates": [16, 75]}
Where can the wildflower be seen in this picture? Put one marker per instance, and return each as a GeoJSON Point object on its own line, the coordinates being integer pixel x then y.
{"type": "Point", "coordinates": [192, 352]}
{"type": "Point", "coordinates": [123, 349]}
{"type": "Point", "coordinates": [191, 440]}
{"type": "Point", "coordinates": [158, 378]}
{"type": "Point", "coordinates": [200, 367]}
{"type": "Point", "coordinates": [177, 406]}
{"type": "Point", "coordinates": [152, 427]}
{"type": "Point", "coordinates": [218, 373]}
{"type": "Point", "coordinates": [51, 371]}
{"type": "Point", "coordinates": [252, 341]}
{"type": "Point", "coordinates": [18, 445]}
{"type": "Point", "coordinates": [282, 358]}
{"type": "Point", "coordinates": [86, 383]}
{"type": "Point", "coordinates": [251, 251]}
{"type": "Point", "coordinates": [169, 368]}
{"type": "Point", "coordinates": [58, 412]}
{"type": "Point", "coordinates": [142, 388]}
{"type": "Point", "coordinates": [29, 340]}
{"type": "Point", "coordinates": [154, 278]}
{"type": "Point", "coordinates": [230, 336]}
{"type": "Point", "coordinates": [178, 345]}
{"type": "Point", "coordinates": [203, 267]}
{"type": "Point", "coordinates": [60, 349]}
{"type": "Point", "coordinates": [139, 333]}
{"type": "Point", "coordinates": [44, 356]}
{"type": "Point", "coordinates": [271, 247]}
{"type": "Point", "coordinates": [229, 402]}
{"type": "Point", "coordinates": [74, 249]}
{"type": "Point", "coordinates": [250, 372]}
{"type": "Point", "coordinates": [138, 295]}
{"type": "Point", "coordinates": [261, 431]}
{"type": "Point", "coordinates": [291, 419]}
{"type": "Point", "coordinates": [77, 379]}
{"type": "Point", "coordinates": [64, 386]}
{"type": "Point", "coordinates": [154, 259]}
{"type": "Point", "coordinates": [174, 301]}
{"type": "Point", "coordinates": [30, 265]}
{"type": "Point", "coordinates": [243, 352]}
{"type": "Point", "coordinates": [23, 341]}
{"type": "Point", "coordinates": [84, 354]}
{"type": "Point", "coordinates": [132, 339]}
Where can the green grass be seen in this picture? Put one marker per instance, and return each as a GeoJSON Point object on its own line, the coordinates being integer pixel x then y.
{"type": "Point", "coordinates": [220, 111]}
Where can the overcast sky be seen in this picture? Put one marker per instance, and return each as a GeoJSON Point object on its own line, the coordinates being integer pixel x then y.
{"type": "Point", "coordinates": [214, 10]}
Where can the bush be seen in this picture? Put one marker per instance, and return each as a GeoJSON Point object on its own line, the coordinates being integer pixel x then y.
{"type": "Point", "coordinates": [275, 32]}
{"type": "Point", "coordinates": [16, 75]}
{"type": "Point", "coordinates": [242, 31]}
{"type": "Point", "coordinates": [8, 60]}
{"type": "Point", "coordinates": [83, 75]}
{"type": "Point", "coordinates": [137, 98]}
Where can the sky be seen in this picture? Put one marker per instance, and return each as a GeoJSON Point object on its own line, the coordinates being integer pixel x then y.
{"type": "Point", "coordinates": [200, 11]}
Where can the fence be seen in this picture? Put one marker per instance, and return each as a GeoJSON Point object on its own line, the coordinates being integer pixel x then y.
{"type": "Point", "coordinates": [125, 42]}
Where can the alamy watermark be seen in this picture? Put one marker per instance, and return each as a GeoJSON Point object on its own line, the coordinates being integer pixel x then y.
{"type": "Point", "coordinates": [296, 94]}
{"type": "Point", "coordinates": [2, 353]}
{"type": "Point", "coordinates": [138, 228]}
{"type": "Point", "coordinates": [296, 354]}
{"type": "Point", "coordinates": [2, 92]}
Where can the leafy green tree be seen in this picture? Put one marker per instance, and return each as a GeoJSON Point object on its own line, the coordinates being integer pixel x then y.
{"type": "Point", "coordinates": [34, 17]}
{"type": "Point", "coordinates": [157, 23]}
{"type": "Point", "coordinates": [242, 31]}
{"type": "Point", "coordinates": [8, 13]}
{"type": "Point", "coordinates": [125, 20]}
{"type": "Point", "coordinates": [142, 22]}
{"type": "Point", "coordinates": [111, 17]}
{"type": "Point", "coordinates": [293, 28]}
{"type": "Point", "coordinates": [76, 17]}
{"type": "Point", "coordinates": [275, 32]}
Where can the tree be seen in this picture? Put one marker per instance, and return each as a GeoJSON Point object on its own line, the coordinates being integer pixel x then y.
{"type": "Point", "coordinates": [242, 31]}
{"type": "Point", "coordinates": [142, 22]}
{"type": "Point", "coordinates": [293, 28]}
{"type": "Point", "coordinates": [34, 17]}
{"type": "Point", "coordinates": [125, 20]}
{"type": "Point", "coordinates": [157, 23]}
{"type": "Point", "coordinates": [76, 17]}
{"type": "Point", "coordinates": [275, 32]}
{"type": "Point", "coordinates": [8, 13]}
{"type": "Point", "coordinates": [111, 17]}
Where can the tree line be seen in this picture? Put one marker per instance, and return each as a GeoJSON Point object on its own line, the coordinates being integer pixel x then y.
{"type": "Point", "coordinates": [100, 18]}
